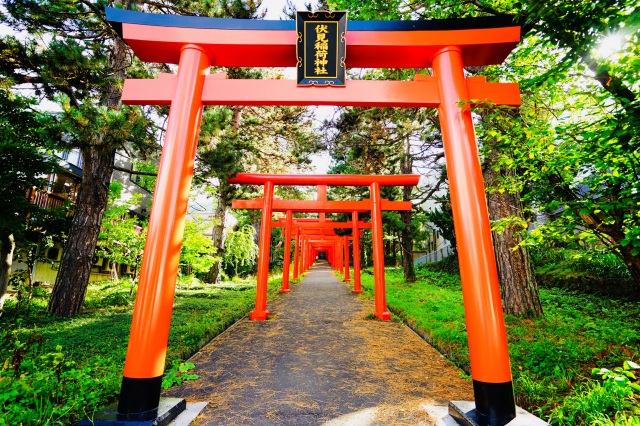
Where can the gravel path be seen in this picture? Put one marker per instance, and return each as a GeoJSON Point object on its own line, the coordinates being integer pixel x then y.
{"type": "Point", "coordinates": [320, 360]}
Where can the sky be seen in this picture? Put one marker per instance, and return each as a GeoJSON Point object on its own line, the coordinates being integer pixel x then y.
{"type": "Point", "coordinates": [274, 7]}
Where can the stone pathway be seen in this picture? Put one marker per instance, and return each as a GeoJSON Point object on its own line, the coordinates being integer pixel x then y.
{"type": "Point", "coordinates": [321, 360]}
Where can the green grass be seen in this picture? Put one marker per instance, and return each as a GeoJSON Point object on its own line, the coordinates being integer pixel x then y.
{"type": "Point", "coordinates": [551, 357]}
{"type": "Point", "coordinates": [56, 370]}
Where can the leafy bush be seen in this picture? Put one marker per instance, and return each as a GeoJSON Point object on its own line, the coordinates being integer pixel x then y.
{"type": "Point", "coordinates": [595, 402]}
{"type": "Point", "coordinates": [39, 387]}
{"type": "Point", "coordinates": [622, 382]}
{"type": "Point", "coordinates": [177, 374]}
{"type": "Point", "coordinates": [592, 262]}
{"type": "Point", "coordinates": [448, 265]}
{"type": "Point", "coordinates": [589, 402]}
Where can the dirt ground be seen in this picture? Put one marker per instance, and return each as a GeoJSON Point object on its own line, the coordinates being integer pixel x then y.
{"type": "Point", "coordinates": [320, 359]}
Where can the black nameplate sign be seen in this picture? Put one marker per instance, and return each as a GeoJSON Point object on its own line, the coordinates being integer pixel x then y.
{"type": "Point", "coordinates": [321, 48]}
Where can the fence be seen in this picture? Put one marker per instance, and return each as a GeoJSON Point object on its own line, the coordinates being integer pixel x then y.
{"type": "Point", "coordinates": [435, 256]}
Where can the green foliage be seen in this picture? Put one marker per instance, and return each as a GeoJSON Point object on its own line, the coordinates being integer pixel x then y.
{"type": "Point", "coordinates": [240, 248]}
{"type": "Point", "coordinates": [25, 162]}
{"type": "Point", "coordinates": [61, 370]}
{"type": "Point", "coordinates": [620, 380]}
{"type": "Point", "coordinates": [178, 373]}
{"type": "Point", "coordinates": [197, 253]}
{"type": "Point", "coordinates": [42, 387]}
{"type": "Point", "coordinates": [551, 357]}
{"type": "Point", "coordinates": [123, 234]}
{"type": "Point", "coordinates": [442, 218]}
{"type": "Point", "coordinates": [600, 263]}
{"type": "Point", "coordinates": [448, 265]}
{"type": "Point", "coordinates": [588, 403]}
{"type": "Point", "coordinates": [147, 182]}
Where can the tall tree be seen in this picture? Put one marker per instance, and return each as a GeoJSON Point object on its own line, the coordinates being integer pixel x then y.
{"type": "Point", "coordinates": [24, 160]}
{"type": "Point", "coordinates": [251, 139]}
{"type": "Point", "coordinates": [520, 295]}
{"type": "Point", "coordinates": [387, 141]}
{"type": "Point", "coordinates": [69, 53]}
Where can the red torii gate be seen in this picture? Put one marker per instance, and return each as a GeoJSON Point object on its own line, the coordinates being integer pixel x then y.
{"type": "Point", "coordinates": [196, 43]}
{"type": "Point", "coordinates": [269, 204]}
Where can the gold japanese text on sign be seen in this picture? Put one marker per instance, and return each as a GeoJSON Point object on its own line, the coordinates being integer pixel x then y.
{"type": "Point", "coordinates": [321, 48]}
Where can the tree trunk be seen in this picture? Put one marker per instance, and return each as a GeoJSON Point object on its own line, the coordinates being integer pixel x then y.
{"type": "Point", "coordinates": [520, 294]}
{"type": "Point", "coordinates": [220, 215]}
{"type": "Point", "coordinates": [75, 266]}
{"type": "Point", "coordinates": [98, 159]}
{"type": "Point", "coordinates": [7, 247]}
{"type": "Point", "coordinates": [407, 248]}
{"type": "Point", "coordinates": [632, 262]}
{"type": "Point", "coordinates": [406, 236]}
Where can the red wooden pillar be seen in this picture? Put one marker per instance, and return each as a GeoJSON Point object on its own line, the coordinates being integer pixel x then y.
{"type": "Point", "coordinates": [287, 253]}
{"type": "Point", "coordinates": [357, 287]}
{"type": "Point", "coordinates": [346, 259]}
{"type": "Point", "coordinates": [146, 352]}
{"type": "Point", "coordinates": [378, 254]}
{"type": "Point", "coordinates": [305, 254]}
{"type": "Point", "coordinates": [490, 367]}
{"type": "Point", "coordinates": [296, 255]}
{"type": "Point", "coordinates": [339, 255]}
{"type": "Point", "coordinates": [260, 312]}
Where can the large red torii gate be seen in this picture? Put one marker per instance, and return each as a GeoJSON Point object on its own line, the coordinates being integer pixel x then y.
{"type": "Point", "coordinates": [196, 43]}
{"type": "Point", "coordinates": [269, 204]}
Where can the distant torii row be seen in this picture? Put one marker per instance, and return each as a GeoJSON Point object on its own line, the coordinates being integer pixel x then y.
{"type": "Point", "coordinates": [269, 204]}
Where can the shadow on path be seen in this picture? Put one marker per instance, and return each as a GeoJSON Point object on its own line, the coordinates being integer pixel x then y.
{"type": "Point", "coordinates": [320, 360]}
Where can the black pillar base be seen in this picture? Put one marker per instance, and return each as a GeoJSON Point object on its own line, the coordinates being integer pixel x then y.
{"type": "Point", "coordinates": [465, 414]}
{"type": "Point", "coordinates": [495, 401]}
{"type": "Point", "coordinates": [168, 410]}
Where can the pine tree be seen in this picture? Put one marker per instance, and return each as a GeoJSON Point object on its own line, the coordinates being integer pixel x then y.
{"type": "Point", "coordinates": [68, 53]}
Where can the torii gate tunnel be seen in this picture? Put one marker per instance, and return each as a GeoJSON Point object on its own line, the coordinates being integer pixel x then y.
{"type": "Point", "coordinates": [196, 44]}
{"type": "Point", "coordinates": [269, 204]}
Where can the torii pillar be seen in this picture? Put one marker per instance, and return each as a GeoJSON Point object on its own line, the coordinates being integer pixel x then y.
{"type": "Point", "coordinates": [357, 286]}
{"type": "Point", "coordinates": [143, 369]}
{"type": "Point", "coordinates": [296, 255]}
{"type": "Point", "coordinates": [346, 259]}
{"type": "Point", "coordinates": [287, 253]}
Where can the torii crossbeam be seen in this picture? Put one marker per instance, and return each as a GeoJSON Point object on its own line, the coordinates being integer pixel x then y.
{"type": "Point", "coordinates": [197, 43]}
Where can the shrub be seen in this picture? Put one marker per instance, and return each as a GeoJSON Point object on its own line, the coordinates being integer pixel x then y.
{"type": "Point", "coordinates": [588, 403]}
{"type": "Point", "coordinates": [42, 387]}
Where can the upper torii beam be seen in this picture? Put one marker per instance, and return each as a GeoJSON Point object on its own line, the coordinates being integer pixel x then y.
{"type": "Point", "coordinates": [322, 225]}
{"type": "Point", "coordinates": [315, 206]}
{"type": "Point", "coordinates": [197, 43]}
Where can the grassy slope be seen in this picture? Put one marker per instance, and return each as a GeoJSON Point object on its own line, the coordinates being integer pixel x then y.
{"type": "Point", "coordinates": [550, 356]}
{"type": "Point", "coordinates": [73, 366]}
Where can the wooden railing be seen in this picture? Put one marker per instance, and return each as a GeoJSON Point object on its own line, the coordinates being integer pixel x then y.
{"type": "Point", "coordinates": [45, 200]}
